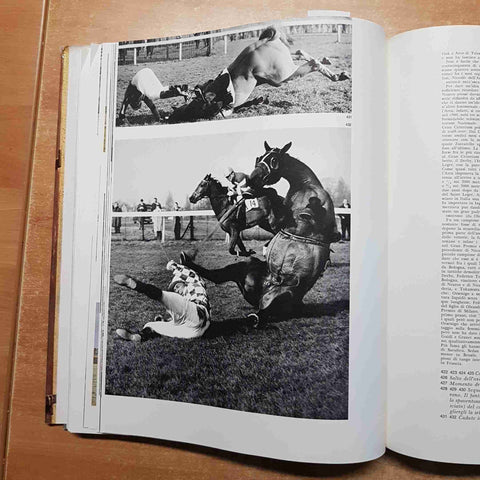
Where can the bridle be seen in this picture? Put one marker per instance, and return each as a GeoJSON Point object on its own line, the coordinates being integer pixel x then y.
{"type": "Point", "coordinates": [207, 185]}
{"type": "Point", "coordinates": [262, 161]}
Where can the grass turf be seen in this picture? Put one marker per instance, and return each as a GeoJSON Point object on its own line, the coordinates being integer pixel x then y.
{"type": "Point", "coordinates": [313, 93]}
{"type": "Point", "coordinates": [296, 367]}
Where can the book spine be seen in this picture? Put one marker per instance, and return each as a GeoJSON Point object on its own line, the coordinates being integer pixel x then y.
{"type": "Point", "coordinates": [50, 388]}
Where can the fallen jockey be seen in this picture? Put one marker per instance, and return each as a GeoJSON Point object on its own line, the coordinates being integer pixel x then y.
{"type": "Point", "coordinates": [186, 302]}
{"type": "Point", "coordinates": [146, 87]}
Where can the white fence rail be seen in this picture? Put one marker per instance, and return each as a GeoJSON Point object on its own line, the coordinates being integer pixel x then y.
{"type": "Point", "coordinates": [164, 215]}
{"type": "Point", "coordinates": [335, 21]}
{"type": "Point", "coordinates": [194, 213]}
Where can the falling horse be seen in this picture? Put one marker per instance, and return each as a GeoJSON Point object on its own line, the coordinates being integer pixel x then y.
{"type": "Point", "coordinates": [264, 211]}
{"type": "Point", "coordinates": [266, 61]}
{"type": "Point", "coordinates": [297, 255]}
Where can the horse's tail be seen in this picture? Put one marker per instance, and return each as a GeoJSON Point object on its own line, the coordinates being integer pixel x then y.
{"type": "Point", "coordinates": [272, 33]}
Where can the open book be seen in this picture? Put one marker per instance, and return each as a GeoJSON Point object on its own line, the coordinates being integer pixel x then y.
{"type": "Point", "coordinates": [268, 241]}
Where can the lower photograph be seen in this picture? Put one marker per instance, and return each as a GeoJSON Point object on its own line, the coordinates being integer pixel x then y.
{"type": "Point", "coordinates": [230, 271]}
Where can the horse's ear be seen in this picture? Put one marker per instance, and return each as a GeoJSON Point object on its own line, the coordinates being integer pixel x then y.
{"type": "Point", "coordinates": [286, 148]}
{"type": "Point", "coordinates": [267, 146]}
{"type": "Point", "coordinates": [207, 176]}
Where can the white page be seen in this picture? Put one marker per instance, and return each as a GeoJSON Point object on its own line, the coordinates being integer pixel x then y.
{"type": "Point", "coordinates": [361, 436]}
{"type": "Point", "coordinates": [88, 156]}
{"type": "Point", "coordinates": [426, 418]}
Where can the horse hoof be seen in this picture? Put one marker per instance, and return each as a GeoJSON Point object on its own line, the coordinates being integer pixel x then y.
{"type": "Point", "coordinates": [254, 320]}
{"type": "Point", "coordinates": [325, 61]}
{"type": "Point", "coordinates": [343, 76]}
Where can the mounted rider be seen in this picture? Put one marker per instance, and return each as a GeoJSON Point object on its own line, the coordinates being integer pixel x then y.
{"type": "Point", "coordinates": [237, 185]}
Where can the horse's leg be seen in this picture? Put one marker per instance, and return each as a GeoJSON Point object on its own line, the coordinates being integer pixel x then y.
{"type": "Point", "coordinates": [314, 65]}
{"type": "Point", "coordinates": [234, 238]}
{"type": "Point", "coordinates": [280, 307]}
{"type": "Point", "coordinates": [234, 272]}
{"type": "Point", "coordinates": [248, 275]}
{"type": "Point", "coordinates": [262, 78]}
{"type": "Point", "coordinates": [243, 250]}
{"type": "Point", "coordinates": [152, 107]}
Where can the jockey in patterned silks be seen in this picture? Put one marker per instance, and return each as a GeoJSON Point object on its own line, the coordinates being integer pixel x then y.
{"type": "Point", "coordinates": [186, 301]}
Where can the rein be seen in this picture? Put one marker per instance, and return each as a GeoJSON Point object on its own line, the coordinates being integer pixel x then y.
{"type": "Point", "coordinates": [225, 216]}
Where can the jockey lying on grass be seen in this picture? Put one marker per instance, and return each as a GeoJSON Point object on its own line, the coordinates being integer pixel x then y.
{"type": "Point", "coordinates": [146, 87]}
{"type": "Point", "coordinates": [186, 302]}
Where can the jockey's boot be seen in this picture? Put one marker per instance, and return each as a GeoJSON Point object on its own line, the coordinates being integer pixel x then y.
{"type": "Point", "coordinates": [145, 334]}
{"type": "Point", "coordinates": [126, 281]}
{"type": "Point", "coordinates": [129, 336]}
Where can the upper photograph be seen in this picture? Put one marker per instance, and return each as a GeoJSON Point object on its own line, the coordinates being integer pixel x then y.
{"type": "Point", "coordinates": [296, 66]}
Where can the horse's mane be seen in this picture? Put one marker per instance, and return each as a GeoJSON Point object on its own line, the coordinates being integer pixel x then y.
{"type": "Point", "coordinates": [218, 183]}
{"type": "Point", "coordinates": [272, 33]}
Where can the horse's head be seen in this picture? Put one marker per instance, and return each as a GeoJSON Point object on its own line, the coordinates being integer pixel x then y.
{"type": "Point", "coordinates": [202, 191]}
{"type": "Point", "coordinates": [268, 167]}
{"type": "Point", "coordinates": [208, 101]}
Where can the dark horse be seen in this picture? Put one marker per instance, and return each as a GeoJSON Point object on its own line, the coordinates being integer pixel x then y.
{"type": "Point", "coordinates": [297, 255]}
{"type": "Point", "coordinates": [266, 61]}
{"type": "Point", "coordinates": [265, 213]}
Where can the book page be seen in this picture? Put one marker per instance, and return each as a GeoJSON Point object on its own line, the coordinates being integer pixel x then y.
{"type": "Point", "coordinates": [87, 156]}
{"type": "Point", "coordinates": [286, 357]}
{"type": "Point", "coordinates": [434, 250]}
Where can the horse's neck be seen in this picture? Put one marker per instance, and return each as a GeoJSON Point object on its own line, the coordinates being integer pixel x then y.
{"type": "Point", "coordinates": [218, 198]}
{"type": "Point", "coordinates": [298, 175]}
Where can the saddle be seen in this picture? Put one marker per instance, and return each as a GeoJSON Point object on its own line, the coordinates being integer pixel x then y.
{"type": "Point", "coordinates": [250, 203]}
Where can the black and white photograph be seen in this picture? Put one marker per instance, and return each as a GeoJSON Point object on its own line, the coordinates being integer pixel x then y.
{"type": "Point", "coordinates": [270, 69]}
{"type": "Point", "coordinates": [229, 275]}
